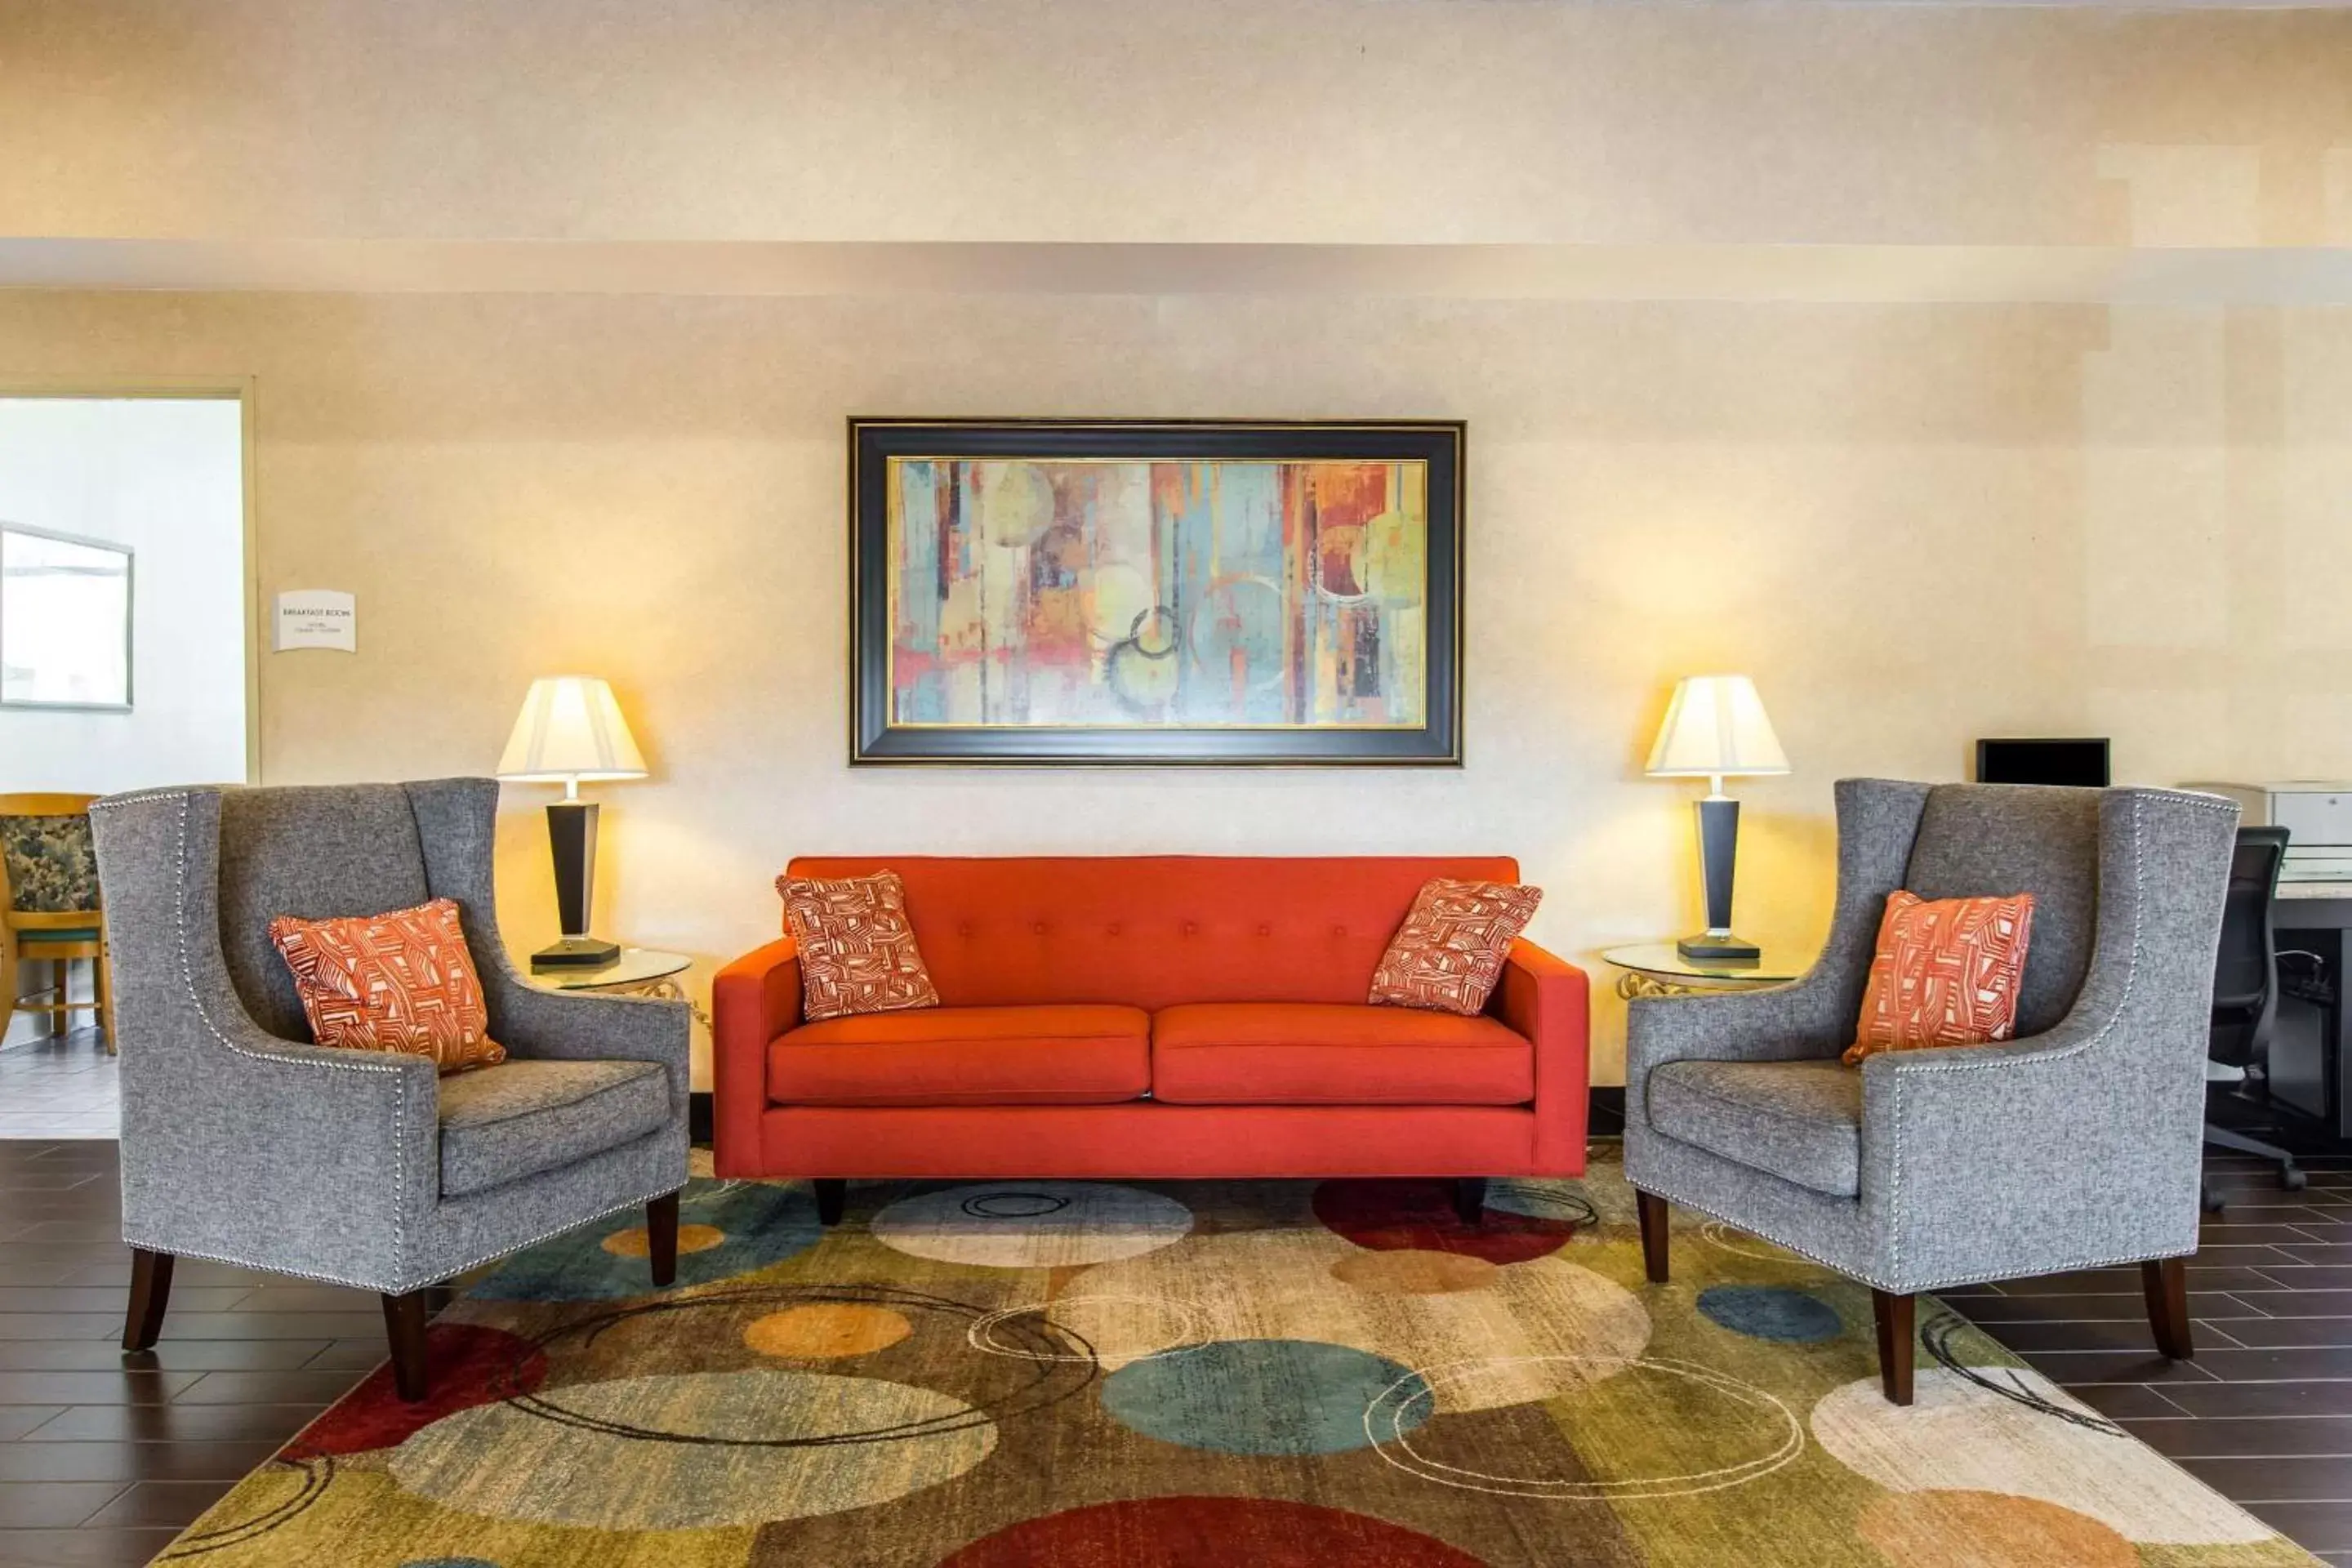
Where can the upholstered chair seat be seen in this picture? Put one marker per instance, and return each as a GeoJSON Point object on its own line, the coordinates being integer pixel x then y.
{"type": "Point", "coordinates": [499, 1124]}
{"type": "Point", "coordinates": [1800, 1121]}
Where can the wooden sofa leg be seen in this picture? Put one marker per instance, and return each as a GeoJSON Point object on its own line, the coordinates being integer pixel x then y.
{"type": "Point", "coordinates": [1470, 1199]}
{"type": "Point", "coordinates": [832, 1197]}
{"type": "Point", "coordinates": [1895, 1321]}
{"type": "Point", "coordinates": [150, 1293]}
{"type": "Point", "coordinates": [1652, 1210]}
{"type": "Point", "coordinates": [2166, 1280]}
{"type": "Point", "coordinates": [661, 1237]}
{"type": "Point", "coordinates": [403, 1326]}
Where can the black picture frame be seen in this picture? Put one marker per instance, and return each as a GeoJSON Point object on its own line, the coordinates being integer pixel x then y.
{"type": "Point", "coordinates": [875, 441]}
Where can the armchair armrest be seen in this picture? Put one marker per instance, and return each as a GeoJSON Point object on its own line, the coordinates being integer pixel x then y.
{"type": "Point", "coordinates": [1547, 999]}
{"type": "Point", "coordinates": [752, 1001]}
{"type": "Point", "coordinates": [1802, 1021]}
{"type": "Point", "coordinates": [531, 1021]}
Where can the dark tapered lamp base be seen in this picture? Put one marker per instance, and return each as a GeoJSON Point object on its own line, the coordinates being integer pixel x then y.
{"type": "Point", "coordinates": [571, 833]}
{"type": "Point", "coordinates": [577, 952]}
{"type": "Point", "coordinates": [1718, 849]}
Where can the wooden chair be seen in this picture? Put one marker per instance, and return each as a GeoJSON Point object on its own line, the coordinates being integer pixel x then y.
{"type": "Point", "coordinates": [50, 907]}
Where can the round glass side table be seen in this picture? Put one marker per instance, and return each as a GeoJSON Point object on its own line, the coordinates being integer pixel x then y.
{"type": "Point", "coordinates": [1657, 969]}
{"type": "Point", "coordinates": [638, 972]}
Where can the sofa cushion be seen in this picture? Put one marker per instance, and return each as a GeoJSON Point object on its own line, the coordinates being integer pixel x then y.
{"type": "Point", "coordinates": [1317, 1053]}
{"type": "Point", "coordinates": [1069, 1055]}
{"type": "Point", "coordinates": [1799, 1120]}
{"type": "Point", "coordinates": [500, 1123]}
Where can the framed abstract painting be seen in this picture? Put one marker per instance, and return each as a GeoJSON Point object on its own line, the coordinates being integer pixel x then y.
{"type": "Point", "coordinates": [1125, 591]}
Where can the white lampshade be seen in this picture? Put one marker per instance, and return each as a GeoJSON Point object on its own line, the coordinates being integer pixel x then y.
{"type": "Point", "coordinates": [1716, 728]}
{"type": "Point", "coordinates": [570, 728]}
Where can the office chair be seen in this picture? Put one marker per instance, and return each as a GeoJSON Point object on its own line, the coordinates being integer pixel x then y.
{"type": "Point", "coordinates": [2245, 991]}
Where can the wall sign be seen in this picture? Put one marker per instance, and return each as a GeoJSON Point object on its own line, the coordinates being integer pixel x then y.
{"type": "Point", "coordinates": [317, 617]}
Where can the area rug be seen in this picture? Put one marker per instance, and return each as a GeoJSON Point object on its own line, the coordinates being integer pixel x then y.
{"type": "Point", "coordinates": [1166, 1376]}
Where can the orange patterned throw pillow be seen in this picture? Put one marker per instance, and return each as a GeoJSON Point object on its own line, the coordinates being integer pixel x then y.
{"type": "Point", "coordinates": [1947, 973]}
{"type": "Point", "coordinates": [857, 951]}
{"type": "Point", "coordinates": [401, 982]}
{"type": "Point", "coordinates": [1450, 952]}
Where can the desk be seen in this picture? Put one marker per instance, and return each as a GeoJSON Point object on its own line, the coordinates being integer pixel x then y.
{"type": "Point", "coordinates": [2311, 1045]}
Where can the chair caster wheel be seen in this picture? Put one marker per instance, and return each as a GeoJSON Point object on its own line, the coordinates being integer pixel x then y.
{"type": "Point", "coordinates": [2294, 1179]}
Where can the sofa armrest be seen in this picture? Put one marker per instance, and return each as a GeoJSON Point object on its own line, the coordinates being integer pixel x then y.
{"type": "Point", "coordinates": [752, 1001]}
{"type": "Point", "coordinates": [1548, 1000]}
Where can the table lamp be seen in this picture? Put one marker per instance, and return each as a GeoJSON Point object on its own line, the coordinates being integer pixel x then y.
{"type": "Point", "coordinates": [570, 730]}
{"type": "Point", "coordinates": [1716, 729]}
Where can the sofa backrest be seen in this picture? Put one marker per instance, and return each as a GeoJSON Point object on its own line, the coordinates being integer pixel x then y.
{"type": "Point", "coordinates": [1154, 931]}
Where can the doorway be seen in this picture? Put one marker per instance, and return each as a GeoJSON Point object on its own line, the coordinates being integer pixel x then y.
{"type": "Point", "coordinates": [127, 625]}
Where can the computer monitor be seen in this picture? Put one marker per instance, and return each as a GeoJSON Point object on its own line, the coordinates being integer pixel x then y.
{"type": "Point", "coordinates": [2041, 762]}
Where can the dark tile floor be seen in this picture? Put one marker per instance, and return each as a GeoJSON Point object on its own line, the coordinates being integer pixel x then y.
{"type": "Point", "coordinates": [2263, 1415]}
{"type": "Point", "coordinates": [101, 1460]}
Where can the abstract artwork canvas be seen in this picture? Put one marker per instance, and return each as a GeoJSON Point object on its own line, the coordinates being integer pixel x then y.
{"type": "Point", "coordinates": [1131, 592]}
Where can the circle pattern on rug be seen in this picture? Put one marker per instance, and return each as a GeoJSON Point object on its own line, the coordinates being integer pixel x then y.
{"type": "Point", "coordinates": [825, 1331]}
{"type": "Point", "coordinates": [1095, 1329]}
{"type": "Point", "coordinates": [1956, 1437]}
{"type": "Point", "coordinates": [635, 1243]}
{"type": "Point", "coordinates": [695, 1451]}
{"type": "Point", "coordinates": [758, 1222]}
{"type": "Point", "coordinates": [1258, 1397]}
{"type": "Point", "coordinates": [1033, 1224]}
{"type": "Point", "coordinates": [1412, 1273]}
{"type": "Point", "coordinates": [1185, 1532]}
{"type": "Point", "coordinates": [1772, 1313]}
{"type": "Point", "coordinates": [1761, 1434]}
{"type": "Point", "coordinates": [1417, 1216]}
{"type": "Point", "coordinates": [1986, 1529]}
{"type": "Point", "coordinates": [471, 1365]}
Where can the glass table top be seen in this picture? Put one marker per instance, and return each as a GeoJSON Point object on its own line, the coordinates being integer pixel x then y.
{"type": "Point", "coordinates": [635, 966]}
{"type": "Point", "coordinates": [1776, 966]}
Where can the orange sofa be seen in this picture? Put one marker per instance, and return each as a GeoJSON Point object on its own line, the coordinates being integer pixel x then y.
{"type": "Point", "coordinates": [1152, 1016]}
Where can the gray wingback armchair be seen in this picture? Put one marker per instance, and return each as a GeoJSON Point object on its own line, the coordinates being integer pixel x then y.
{"type": "Point", "coordinates": [244, 1143]}
{"type": "Point", "coordinates": [2076, 1145]}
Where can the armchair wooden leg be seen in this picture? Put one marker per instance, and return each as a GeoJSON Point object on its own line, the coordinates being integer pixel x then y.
{"type": "Point", "coordinates": [150, 1291]}
{"type": "Point", "coordinates": [403, 1326]}
{"type": "Point", "coordinates": [832, 1197]}
{"type": "Point", "coordinates": [1654, 1212]}
{"type": "Point", "coordinates": [2166, 1280]}
{"type": "Point", "coordinates": [1470, 1199]}
{"type": "Point", "coordinates": [661, 1237]}
{"type": "Point", "coordinates": [1896, 1316]}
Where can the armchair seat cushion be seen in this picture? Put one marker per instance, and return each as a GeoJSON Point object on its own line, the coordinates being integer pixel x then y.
{"type": "Point", "coordinates": [1321, 1052]}
{"type": "Point", "coordinates": [1057, 1054]}
{"type": "Point", "coordinates": [501, 1123]}
{"type": "Point", "coordinates": [1799, 1121]}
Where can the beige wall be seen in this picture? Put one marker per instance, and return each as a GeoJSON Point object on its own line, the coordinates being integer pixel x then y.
{"type": "Point", "coordinates": [1912, 525]}
{"type": "Point", "coordinates": [1176, 119]}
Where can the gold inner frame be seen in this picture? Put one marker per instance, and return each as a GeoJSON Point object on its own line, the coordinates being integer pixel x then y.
{"type": "Point", "coordinates": [891, 587]}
